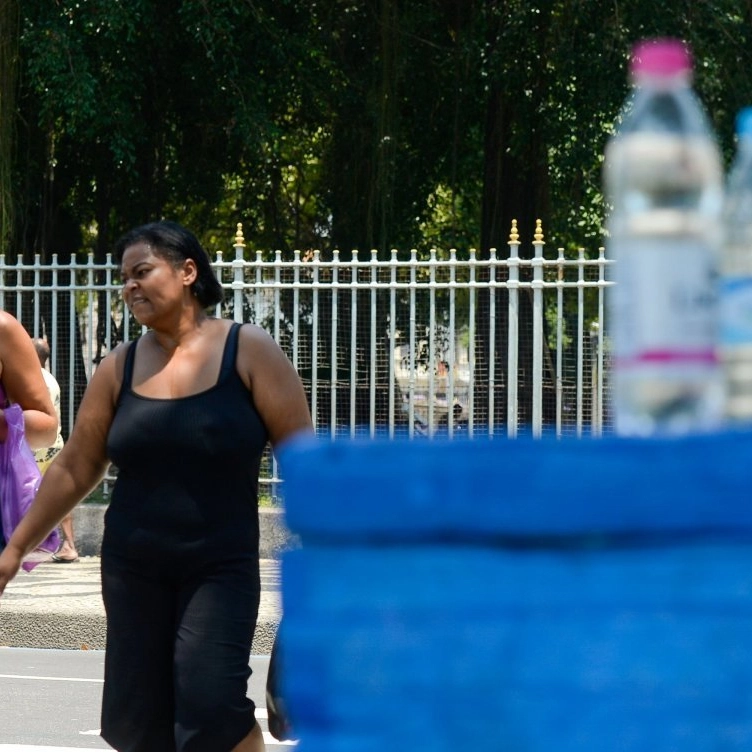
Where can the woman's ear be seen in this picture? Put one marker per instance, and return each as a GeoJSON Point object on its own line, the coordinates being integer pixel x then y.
{"type": "Point", "coordinates": [190, 272]}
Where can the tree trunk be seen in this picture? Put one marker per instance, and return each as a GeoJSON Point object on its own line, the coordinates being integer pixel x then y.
{"type": "Point", "coordinates": [9, 32]}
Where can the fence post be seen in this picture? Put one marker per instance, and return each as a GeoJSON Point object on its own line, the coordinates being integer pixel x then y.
{"type": "Point", "coordinates": [315, 338]}
{"type": "Point", "coordinates": [430, 399]}
{"type": "Point", "coordinates": [392, 337]}
{"type": "Point", "coordinates": [513, 281]}
{"type": "Point", "coordinates": [333, 355]}
{"type": "Point", "coordinates": [411, 381]}
{"type": "Point", "coordinates": [374, 352]}
{"type": "Point", "coordinates": [237, 276]}
{"type": "Point", "coordinates": [491, 340]}
{"type": "Point", "coordinates": [452, 343]}
{"type": "Point", "coordinates": [471, 331]}
{"type": "Point", "coordinates": [559, 340]}
{"type": "Point", "coordinates": [580, 334]}
{"type": "Point", "coordinates": [601, 293]}
{"type": "Point", "coordinates": [595, 408]}
{"type": "Point", "coordinates": [538, 330]}
{"type": "Point", "coordinates": [296, 310]}
{"type": "Point", "coordinates": [353, 339]}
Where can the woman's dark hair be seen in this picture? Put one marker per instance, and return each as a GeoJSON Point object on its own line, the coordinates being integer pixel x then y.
{"type": "Point", "coordinates": [173, 242]}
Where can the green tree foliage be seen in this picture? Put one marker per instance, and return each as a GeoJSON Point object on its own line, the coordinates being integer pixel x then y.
{"type": "Point", "coordinates": [332, 123]}
{"type": "Point", "coordinates": [366, 123]}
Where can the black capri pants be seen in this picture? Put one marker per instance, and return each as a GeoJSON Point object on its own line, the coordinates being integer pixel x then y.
{"type": "Point", "coordinates": [177, 658]}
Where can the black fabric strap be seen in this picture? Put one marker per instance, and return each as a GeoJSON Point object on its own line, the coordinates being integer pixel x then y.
{"type": "Point", "coordinates": [230, 354]}
{"type": "Point", "coordinates": [130, 357]}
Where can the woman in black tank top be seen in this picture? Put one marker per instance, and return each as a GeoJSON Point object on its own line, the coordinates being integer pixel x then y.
{"type": "Point", "coordinates": [184, 412]}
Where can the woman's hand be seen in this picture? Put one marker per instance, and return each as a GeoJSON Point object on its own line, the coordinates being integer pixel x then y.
{"type": "Point", "coordinates": [10, 563]}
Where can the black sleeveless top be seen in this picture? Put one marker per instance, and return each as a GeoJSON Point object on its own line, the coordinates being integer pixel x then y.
{"type": "Point", "coordinates": [187, 482]}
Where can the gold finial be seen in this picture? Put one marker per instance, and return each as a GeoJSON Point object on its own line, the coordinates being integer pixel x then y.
{"type": "Point", "coordinates": [514, 236]}
{"type": "Point", "coordinates": [538, 237]}
{"type": "Point", "coordinates": [239, 239]}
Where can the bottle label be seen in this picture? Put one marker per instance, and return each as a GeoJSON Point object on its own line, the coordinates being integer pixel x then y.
{"type": "Point", "coordinates": [664, 302]}
{"type": "Point", "coordinates": [736, 311]}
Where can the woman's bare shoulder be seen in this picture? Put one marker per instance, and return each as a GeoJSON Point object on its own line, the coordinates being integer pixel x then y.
{"type": "Point", "coordinates": [17, 353]}
{"type": "Point", "coordinates": [255, 335]}
{"type": "Point", "coordinates": [102, 393]}
{"type": "Point", "coordinates": [6, 318]}
{"type": "Point", "coordinates": [10, 326]}
{"type": "Point", "coordinates": [114, 362]}
{"type": "Point", "coordinates": [259, 354]}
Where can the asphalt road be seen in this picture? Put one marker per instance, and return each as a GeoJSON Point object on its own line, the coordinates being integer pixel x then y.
{"type": "Point", "coordinates": [49, 700]}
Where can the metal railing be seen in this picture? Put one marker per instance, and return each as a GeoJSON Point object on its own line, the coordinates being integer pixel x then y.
{"type": "Point", "coordinates": [419, 344]}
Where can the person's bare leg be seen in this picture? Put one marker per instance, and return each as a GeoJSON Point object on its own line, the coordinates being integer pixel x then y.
{"type": "Point", "coordinates": [254, 742]}
{"type": "Point", "coordinates": [68, 548]}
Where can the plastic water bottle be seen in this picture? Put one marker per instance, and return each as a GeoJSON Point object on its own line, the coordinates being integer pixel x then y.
{"type": "Point", "coordinates": [664, 183]}
{"type": "Point", "coordinates": [736, 278]}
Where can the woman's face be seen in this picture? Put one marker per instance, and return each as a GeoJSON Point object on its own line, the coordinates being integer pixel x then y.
{"type": "Point", "coordinates": [152, 285]}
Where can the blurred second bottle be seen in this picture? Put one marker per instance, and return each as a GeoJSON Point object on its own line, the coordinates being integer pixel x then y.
{"type": "Point", "coordinates": [736, 278]}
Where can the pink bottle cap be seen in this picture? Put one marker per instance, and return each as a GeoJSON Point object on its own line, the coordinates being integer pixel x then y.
{"type": "Point", "coordinates": [663, 57]}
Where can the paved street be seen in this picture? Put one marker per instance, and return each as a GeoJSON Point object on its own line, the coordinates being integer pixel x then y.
{"type": "Point", "coordinates": [50, 697]}
{"type": "Point", "coordinates": [51, 700]}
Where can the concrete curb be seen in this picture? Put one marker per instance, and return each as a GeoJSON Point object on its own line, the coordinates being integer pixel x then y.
{"type": "Point", "coordinates": [60, 606]}
{"type": "Point", "coordinates": [88, 526]}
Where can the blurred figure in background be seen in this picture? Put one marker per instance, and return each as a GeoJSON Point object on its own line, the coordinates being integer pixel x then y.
{"type": "Point", "coordinates": [67, 553]}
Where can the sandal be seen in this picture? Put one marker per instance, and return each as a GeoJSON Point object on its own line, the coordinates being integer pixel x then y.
{"type": "Point", "coordinates": [60, 560]}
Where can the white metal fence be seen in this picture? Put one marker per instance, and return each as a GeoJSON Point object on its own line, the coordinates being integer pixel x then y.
{"type": "Point", "coordinates": [436, 344]}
